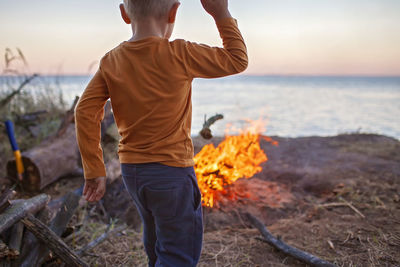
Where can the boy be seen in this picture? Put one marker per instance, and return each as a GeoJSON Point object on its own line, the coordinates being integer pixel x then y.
{"type": "Point", "coordinates": [148, 79]}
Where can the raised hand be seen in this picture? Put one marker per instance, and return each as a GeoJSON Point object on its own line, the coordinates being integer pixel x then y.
{"type": "Point", "coordinates": [218, 9]}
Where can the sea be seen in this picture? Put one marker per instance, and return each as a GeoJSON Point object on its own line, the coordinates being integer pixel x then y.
{"type": "Point", "coordinates": [290, 106]}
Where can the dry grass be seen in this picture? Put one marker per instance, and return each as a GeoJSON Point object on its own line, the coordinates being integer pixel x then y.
{"type": "Point", "coordinates": [228, 247]}
{"type": "Point", "coordinates": [38, 94]}
{"type": "Point", "coordinates": [337, 234]}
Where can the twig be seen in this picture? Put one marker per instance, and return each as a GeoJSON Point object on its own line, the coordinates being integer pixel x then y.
{"type": "Point", "coordinates": [75, 235]}
{"type": "Point", "coordinates": [285, 248]}
{"type": "Point", "coordinates": [352, 207]}
{"type": "Point", "coordinates": [333, 204]}
{"type": "Point", "coordinates": [341, 204]}
{"type": "Point", "coordinates": [206, 131]}
{"type": "Point", "coordinates": [9, 97]}
{"type": "Point", "coordinates": [100, 239]}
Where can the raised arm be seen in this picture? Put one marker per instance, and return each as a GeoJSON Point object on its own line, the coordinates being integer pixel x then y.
{"type": "Point", "coordinates": [88, 115]}
{"type": "Point", "coordinates": [203, 61]}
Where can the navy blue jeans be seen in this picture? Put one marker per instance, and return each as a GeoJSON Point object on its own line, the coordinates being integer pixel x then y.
{"type": "Point", "coordinates": [169, 202]}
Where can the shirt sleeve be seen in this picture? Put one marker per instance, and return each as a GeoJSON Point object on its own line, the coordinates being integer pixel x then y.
{"type": "Point", "coordinates": [203, 61]}
{"type": "Point", "coordinates": [89, 113]}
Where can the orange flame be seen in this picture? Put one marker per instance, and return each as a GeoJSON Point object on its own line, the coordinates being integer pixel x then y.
{"type": "Point", "coordinates": [235, 157]}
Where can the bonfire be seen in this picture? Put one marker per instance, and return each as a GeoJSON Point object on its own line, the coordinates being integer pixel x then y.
{"type": "Point", "coordinates": [237, 156]}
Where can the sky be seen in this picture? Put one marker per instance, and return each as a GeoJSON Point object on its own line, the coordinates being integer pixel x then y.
{"type": "Point", "coordinates": [283, 37]}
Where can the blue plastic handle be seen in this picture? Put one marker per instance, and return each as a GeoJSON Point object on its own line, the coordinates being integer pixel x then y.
{"type": "Point", "coordinates": [10, 133]}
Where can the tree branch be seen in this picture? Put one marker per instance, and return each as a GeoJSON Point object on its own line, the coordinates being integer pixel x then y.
{"type": "Point", "coordinates": [8, 98]}
{"type": "Point", "coordinates": [285, 248]}
{"type": "Point", "coordinates": [43, 233]}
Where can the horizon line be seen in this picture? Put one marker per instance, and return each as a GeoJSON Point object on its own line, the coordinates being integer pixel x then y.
{"type": "Point", "coordinates": [240, 74]}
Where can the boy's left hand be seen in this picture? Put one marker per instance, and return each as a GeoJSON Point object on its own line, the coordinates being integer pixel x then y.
{"type": "Point", "coordinates": [94, 189]}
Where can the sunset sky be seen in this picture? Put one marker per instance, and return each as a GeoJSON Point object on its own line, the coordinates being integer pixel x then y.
{"type": "Point", "coordinates": [285, 37]}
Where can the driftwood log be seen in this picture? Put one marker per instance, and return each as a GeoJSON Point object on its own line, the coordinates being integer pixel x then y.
{"type": "Point", "coordinates": [55, 157]}
{"type": "Point", "coordinates": [285, 248]}
{"type": "Point", "coordinates": [65, 208]}
{"type": "Point", "coordinates": [31, 247]}
{"type": "Point", "coordinates": [48, 161]}
{"type": "Point", "coordinates": [19, 209]}
{"type": "Point", "coordinates": [52, 241]}
{"type": "Point", "coordinates": [206, 131]}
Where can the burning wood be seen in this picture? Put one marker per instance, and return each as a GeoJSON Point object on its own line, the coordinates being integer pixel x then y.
{"type": "Point", "coordinates": [236, 157]}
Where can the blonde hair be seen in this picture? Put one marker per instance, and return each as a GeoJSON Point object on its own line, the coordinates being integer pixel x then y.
{"type": "Point", "coordinates": [139, 9]}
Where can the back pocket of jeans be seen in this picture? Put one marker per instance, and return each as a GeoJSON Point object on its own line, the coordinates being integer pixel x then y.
{"type": "Point", "coordinates": [196, 193]}
{"type": "Point", "coordinates": [162, 202]}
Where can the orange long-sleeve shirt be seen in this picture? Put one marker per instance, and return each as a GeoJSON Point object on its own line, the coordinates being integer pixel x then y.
{"type": "Point", "coordinates": [149, 84]}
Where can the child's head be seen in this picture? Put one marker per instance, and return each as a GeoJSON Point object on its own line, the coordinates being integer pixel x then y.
{"type": "Point", "coordinates": [142, 9]}
{"type": "Point", "coordinates": [163, 11]}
